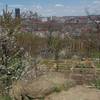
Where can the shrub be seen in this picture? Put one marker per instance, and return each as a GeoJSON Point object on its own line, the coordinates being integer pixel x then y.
{"type": "Point", "coordinates": [97, 83]}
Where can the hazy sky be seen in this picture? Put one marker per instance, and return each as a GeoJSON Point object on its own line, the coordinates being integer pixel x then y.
{"type": "Point", "coordinates": [54, 7]}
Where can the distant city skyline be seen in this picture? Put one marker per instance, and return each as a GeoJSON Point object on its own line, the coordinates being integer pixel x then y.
{"type": "Point", "coordinates": [54, 7]}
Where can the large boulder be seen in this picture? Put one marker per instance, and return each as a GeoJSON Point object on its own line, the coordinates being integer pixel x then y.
{"type": "Point", "coordinates": [42, 86]}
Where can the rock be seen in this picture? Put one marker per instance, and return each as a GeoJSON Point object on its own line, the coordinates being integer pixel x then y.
{"type": "Point", "coordinates": [41, 86]}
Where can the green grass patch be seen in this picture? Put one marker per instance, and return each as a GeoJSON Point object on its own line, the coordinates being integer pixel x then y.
{"type": "Point", "coordinates": [97, 83]}
{"type": "Point", "coordinates": [97, 65]}
{"type": "Point", "coordinates": [5, 98]}
{"type": "Point", "coordinates": [95, 54]}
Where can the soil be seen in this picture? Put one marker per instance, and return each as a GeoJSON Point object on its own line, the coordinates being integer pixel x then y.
{"type": "Point", "coordinates": [76, 93]}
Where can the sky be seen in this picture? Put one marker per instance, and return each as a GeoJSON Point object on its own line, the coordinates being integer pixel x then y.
{"type": "Point", "coordinates": [54, 7]}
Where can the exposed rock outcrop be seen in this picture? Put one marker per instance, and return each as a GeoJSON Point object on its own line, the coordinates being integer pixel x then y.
{"type": "Point", "coordinates": [42, 86]}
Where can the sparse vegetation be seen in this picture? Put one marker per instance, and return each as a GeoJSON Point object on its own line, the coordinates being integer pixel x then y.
{"type": "Point", "coordinates": [36, 64]}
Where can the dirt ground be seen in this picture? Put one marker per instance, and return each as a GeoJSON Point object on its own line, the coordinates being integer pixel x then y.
{"type": "Point", "coordinates": [76, 93]}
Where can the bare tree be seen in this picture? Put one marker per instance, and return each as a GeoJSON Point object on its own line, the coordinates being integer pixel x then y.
{"type": "Point", "coordinates": [95, 35]}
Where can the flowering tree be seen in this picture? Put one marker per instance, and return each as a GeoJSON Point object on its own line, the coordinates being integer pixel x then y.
{"type": "Point", "coordinates": [10, 54]}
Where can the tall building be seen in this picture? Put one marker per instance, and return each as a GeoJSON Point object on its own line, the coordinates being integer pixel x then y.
{"type": "Point", "coordinates": [17, 13]}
